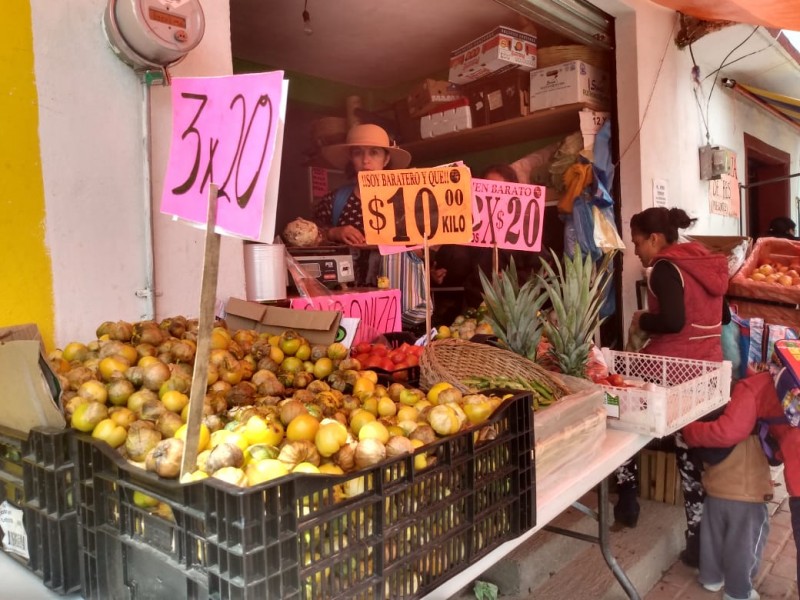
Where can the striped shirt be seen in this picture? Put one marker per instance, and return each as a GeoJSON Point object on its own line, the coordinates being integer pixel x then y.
{"type": "Point", "coordinates": [406, 271]}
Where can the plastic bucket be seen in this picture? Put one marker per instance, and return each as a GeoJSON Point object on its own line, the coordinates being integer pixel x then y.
{"type": "Point", "coordinates": [265, 271]}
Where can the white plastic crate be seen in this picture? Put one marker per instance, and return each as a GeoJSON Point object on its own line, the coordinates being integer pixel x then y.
{"type": "Point", "coordinates": [684, 391]}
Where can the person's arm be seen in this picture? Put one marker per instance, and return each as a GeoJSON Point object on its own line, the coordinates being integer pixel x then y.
{"type": "Point", "coordinates": [732, 427]}
{"type": "Point", "coordinates": [666, 283]}
{"type": "Point", "coordinates": [348, 231]}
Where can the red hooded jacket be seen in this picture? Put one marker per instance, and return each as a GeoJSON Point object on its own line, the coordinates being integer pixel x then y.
{"type": "Point", "coordinates": [705, 281]}
{"type": "Point", "coordinates": [753, 398]}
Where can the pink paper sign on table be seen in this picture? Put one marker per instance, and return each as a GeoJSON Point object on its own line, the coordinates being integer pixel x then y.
{"type": "Point", "coordinates": [510, 214]}
{"type": "Point", "coordinates": [379, 310]}
{"type": "Point", "coordinates": [224, 131]}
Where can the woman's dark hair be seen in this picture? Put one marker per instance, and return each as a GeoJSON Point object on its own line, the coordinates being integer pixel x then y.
{"type": "Point", "coordinates": [781, 227]}
{"type": "Point", "coordinates": [659, 219]}
{"type": "Point", "coordinates": [505, 171]}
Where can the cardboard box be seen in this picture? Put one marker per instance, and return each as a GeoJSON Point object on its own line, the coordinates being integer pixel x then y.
{"type": "Point", "coordinates": [734, 247]}
{"type": "Point", "coordinates": [569, 83]}
{"type": "Point", "coordinates": [317, 326]}
{"type": "Point", "coordinates": [29, 390]}
{"type": "Point", "coordinates": [500, 49]}
{"type": "Point", "coordinates": [499, 97]}
{"type": "Point", "coordinates": [455, 116]}
{"type": "Point", "coordinates": [430, 94]}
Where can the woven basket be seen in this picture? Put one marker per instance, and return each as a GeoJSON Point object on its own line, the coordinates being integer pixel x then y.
{"type": "Point", "coordinates": [455, 360]}
{"type": "Point", "coordinates": [555, 55]}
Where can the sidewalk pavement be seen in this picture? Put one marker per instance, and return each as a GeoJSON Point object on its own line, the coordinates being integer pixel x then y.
{"type": "Point", "coordinates": [776, 579]}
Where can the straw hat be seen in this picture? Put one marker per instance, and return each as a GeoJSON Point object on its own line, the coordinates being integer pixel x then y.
{"type": "Point", "coordinates": [366, 135]}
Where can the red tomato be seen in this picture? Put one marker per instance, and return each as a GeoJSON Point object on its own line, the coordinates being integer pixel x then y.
{"type": "Point", "coordinates": [380, 350]}
{"type": "Point", "coordinates": [404, 347]}
{"type": "Point", "coordinates": [387, 365]}
{"type": "Point", "coordinates": [412, 360]}
{"type": "Point", "coordinates": [362, 358]}
{"type": "Point", "coordinates": [616, 379]}
{"type": "Point", "coordinates": [372, 361]}
{"type": "Point", "coordinates": [363, 348]}
{"type": "Point", "coordinates": [397, 356]}
{"type": "Point", "coordinates": [416, 350]}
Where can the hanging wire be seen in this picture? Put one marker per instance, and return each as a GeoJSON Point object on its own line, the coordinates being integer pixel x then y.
{"type": "Point", "coordinates": [722, 64]}
{"type": "Point", "coordinates": [652, 92]}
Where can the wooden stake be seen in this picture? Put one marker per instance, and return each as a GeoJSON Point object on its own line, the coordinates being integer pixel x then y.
{"type": "Point", "coordinates": [495, 259]}
{"type": "Point", "coordinates": [427, 277]}
{"type": "Point", "coordinates": [208, 297]}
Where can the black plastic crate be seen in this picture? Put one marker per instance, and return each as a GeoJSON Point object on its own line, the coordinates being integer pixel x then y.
{"type": "Point", "coordinates": [49, 471]}
{"type": "Point", "coordinates": [37, 476]}
{"type": "Point", "coordinates": [392, 530]}
{"type": "Point", "coordinates": [11, 469]}
{"type": "Point", "coordinates": [53, 549]}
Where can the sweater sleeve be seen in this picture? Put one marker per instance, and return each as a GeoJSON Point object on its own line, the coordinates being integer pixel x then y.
{"type": "Point", "coordinates": [667, 285]}
{"type": "Point", "coordinates": [732, 427]}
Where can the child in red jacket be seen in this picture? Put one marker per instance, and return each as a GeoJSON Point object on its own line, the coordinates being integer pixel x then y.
{"type": "Point", "coordinates": [755, 398]}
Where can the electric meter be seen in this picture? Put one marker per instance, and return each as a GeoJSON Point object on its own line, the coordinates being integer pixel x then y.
{"type": "Point", "coordinates": [153, 33]}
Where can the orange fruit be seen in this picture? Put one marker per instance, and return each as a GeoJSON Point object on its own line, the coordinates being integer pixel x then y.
{"type": "Point", "coordinates": [302, 427]}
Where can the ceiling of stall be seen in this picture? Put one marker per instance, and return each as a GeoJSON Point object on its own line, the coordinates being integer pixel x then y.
{"type": "Point", "coordinates": [367, 44]}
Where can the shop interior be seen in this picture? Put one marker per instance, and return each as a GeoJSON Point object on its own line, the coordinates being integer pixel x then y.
{"type": "Point", "coordinates": [350, 62]}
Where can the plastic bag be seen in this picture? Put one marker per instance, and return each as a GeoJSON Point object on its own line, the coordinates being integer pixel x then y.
{"type": "Point", "coordinates": [606, 237]}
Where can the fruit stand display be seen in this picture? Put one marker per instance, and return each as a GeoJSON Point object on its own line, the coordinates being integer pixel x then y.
{"type": "Point", "coordinates": [768, 283]}
{"type": "Point", "coordinates": [309, 469]}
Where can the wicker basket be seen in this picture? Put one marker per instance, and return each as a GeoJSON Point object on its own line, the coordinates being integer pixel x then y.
{"type": "Point", "coordinates": [455, 360]}
{"type": "Point", "coordinates": [555, 55]}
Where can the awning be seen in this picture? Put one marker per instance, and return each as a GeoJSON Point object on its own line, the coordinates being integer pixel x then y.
{"type": "Point", "coordinates": [782, 106]}
{"type": "Point", "coordinates": [777, 14]}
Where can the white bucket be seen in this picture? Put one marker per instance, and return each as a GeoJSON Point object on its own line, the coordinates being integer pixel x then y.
{"type": "Point", "coordinates": [265, 271]}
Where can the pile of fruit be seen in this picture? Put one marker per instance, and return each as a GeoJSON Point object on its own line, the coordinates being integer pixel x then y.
{"type": "Point", "coordinates": [466, 326]}
{"type": "Point", "coordinates": [397, 361]}
{"type": "Point", "coordinates": [777, 271]}
{"type": "Point", "coordinates": [274, 405]}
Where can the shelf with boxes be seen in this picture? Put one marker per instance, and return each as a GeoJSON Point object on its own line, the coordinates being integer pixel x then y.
{"type": "Point", "coordinates": [540, 124]}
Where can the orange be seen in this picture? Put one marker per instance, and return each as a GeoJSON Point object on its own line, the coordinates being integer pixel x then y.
{"type": "Point", "coordinates": [302, 427]}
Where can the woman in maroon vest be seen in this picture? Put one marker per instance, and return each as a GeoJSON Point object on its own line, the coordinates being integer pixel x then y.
{"type": "Point", "coordinates": [686, 310]}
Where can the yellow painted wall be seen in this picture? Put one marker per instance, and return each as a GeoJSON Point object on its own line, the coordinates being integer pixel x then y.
{"type": "Point", "coordinates": [26, 295]}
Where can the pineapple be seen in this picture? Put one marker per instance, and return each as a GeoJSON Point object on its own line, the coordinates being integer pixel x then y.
{"type": "Point", "coordinates": [512, 311]}
{"type": "Point", "coordinates": [576, 292]}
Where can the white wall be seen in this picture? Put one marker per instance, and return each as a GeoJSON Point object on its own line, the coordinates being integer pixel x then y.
{"type": "Point", "coordinates": [655, 97]}
{"type": "Point", "coordinates": [90, 128]}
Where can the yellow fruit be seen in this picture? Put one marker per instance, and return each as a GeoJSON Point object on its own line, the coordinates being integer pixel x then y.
{"type": "Point", "coordinates": [323, 367]}
{"type": "Point", "coordinates": [421, 459]}
{"type": "Point", "coordinates": [358, 418]}
{"type": "Point", "coordinates": [478, 413]}
{"type": "Point", "coordinates": [276, 354]}
{"type": "Point", "coordinates": [75, 351]}
{"type": "Point", "coordinates": [86, 416]}
{"type": "Point", "coordinates": [302, 427]}
{"type": "Point", "coordinates": [407, 413]}
{"type": "Point", "coordinates": [303, 352]}
{"type": "Point", "coordinates": [265, 470]}
{"type": "Point", "coordinates": [204, 440]}
{"type": "Point", "coordinates": [373, 430]}
{"type": "Point", "coordinates": [371, 375]}
{"type": "Point", "coordinates": [331, 469]}
{"type": "Point", "coordinates": [443, 332]}
{"type": "Point", "coordinates": [220, 338]}
{"type": "Point", "coordinates": [370, 404]}
{"type": "Point", "coordinates": [110, 432]}
{"type": "Point", "coordinates": [259, 431]}
{"type": "Point", "coordinates": [274, 340]}
{"type": "Point", "coordinates": [143, 500]}
{"type": "Point", "coordinates": [363, 387]}
{"type": "Point", "coordinates": [433, 393]}
{"type": "Point", "coordinates": [113, 366]}
{"type": "Point", "coordinates": [306, 467]}
{"type": "Point", "coordinates": [175, 401]}
{"type": "Point", "coordinates": [387, 407]}
{"type": "Point", "coordinates": [94, 391]}
{"type": "Point", "coordinates": [337, 351]}
{"type": "Point", "coordinates": [329, 438]}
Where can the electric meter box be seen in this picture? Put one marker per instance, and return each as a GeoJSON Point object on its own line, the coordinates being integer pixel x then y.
{"type": "Point", "coordinates": [153, 33]}
{"type": "Point", "coordinates": [716, 161]}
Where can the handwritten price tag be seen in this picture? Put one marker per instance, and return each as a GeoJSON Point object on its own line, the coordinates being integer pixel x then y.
{"type": "Point", "coordinates": [225, 131]}
{"type": "Point", "coordinates": [400, 206]}
{"type": "Point", "coordinates": [510, 214]}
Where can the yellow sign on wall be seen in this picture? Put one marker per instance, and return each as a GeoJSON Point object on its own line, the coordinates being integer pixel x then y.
{"type": "Point", "coordinates": [400, 207]}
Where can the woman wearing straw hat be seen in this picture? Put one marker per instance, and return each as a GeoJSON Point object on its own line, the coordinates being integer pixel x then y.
{"type": "Point", "coordinates": [338, 214]}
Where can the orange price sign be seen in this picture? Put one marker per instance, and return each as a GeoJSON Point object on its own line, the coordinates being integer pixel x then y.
{"type": "Point", "coordinates": [401, 206]}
